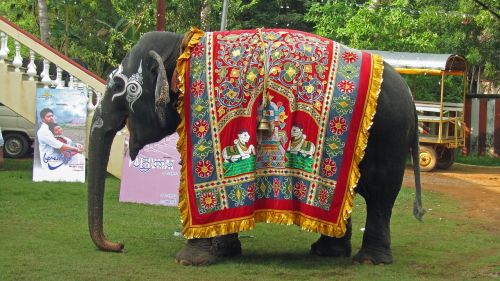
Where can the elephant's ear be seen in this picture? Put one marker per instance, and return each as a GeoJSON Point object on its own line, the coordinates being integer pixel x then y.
{"type": "Point", "coordinates": [162, 97]}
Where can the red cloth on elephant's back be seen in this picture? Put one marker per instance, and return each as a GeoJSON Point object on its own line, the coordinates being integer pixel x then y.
{"type": "Point", "coordinates": [319, 100]}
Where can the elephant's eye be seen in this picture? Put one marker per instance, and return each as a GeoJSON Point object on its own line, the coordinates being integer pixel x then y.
{"type": "Point", "coordinates": [118, 86]}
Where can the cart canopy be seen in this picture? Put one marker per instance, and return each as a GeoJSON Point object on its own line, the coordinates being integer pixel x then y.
{"type": "Point", "coordinates": [424, 63]}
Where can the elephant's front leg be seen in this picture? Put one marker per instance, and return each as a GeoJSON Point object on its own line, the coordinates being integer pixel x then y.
{"type": "Point", "coordinates": [334, 247]}
{"type": "Point", "coordinates": [204, 251]}
{"type": "Point", "coordinates": [197, 251]}
{"type": "Point", "coordinates": [227, 245]}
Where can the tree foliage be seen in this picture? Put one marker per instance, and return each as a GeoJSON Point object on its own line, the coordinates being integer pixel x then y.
{"type": "Point", "coordinates": [101, 32]}
{"type": "Point", "coordinates": [460, 27]}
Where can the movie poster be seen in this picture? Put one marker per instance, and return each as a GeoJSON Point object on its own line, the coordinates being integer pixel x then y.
{"type": "Point", "coordinates": [60, 135]}
{"type": "Point", "coordinates": [154, 176]}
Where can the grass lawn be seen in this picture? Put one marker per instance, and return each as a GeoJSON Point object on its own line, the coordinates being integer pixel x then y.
{"type": "Point", "coordinates": [44, 236]}
{"type": "Point", "coordinates": [478, 160]}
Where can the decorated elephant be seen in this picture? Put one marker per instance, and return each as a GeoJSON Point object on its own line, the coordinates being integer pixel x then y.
{"type": "Point", "coordinates": [356, 111]}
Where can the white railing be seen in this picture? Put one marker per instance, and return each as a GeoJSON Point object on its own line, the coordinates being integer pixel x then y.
{"type": "Point", "coordinates": [79, 76]}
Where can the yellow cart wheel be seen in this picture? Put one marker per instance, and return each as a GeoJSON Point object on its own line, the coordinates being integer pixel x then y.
{"type": "Point", "coordinates": [427, 158]}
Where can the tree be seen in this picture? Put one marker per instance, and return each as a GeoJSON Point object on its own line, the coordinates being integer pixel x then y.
{"type": "Point", "coordinates": [433, 26]}
{"type": "Point", "coordinates": [205, 15]}
{"type": "Point", "coordinates": [270, 14]}
{"type": "Point", "coordinates": [43, 18]}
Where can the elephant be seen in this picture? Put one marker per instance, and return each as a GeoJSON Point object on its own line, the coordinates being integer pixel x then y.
{"type": "Point", "coordinates": [142, 95]}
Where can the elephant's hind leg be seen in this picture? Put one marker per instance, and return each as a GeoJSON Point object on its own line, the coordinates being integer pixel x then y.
{"type": "Point", "coordinates": [380, 182]}
{"type": "Point", "coordinates": [376, 245]}
{"type": "Point", "coordinates": [333, 247]}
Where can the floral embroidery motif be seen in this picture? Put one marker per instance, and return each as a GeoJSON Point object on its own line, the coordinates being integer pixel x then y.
{"type": "Point", "coordinates": [349, 57]}
{"type": "Point", "coordinates": [199, 108]}
{"type": "Point", "coordinates": [349, 71]}
{"type": "Point", "coordinates": [238, 195]}
{"type": "Point", "coordinates": [343, 105]}
{"type": "Point", "coordinates": [338, 125]}
{"type": "Point", "coordinates": [208, 200]}
{"type": "Point", "coordinates": [346, 86]}
{"type": "Point", "coordinates": [299, 190]}
{"type": "Point", "coordinates": [289, 72]}
{"type": "Point", "coordinates": [197, 68]}
{"type": "Point", "coordinates": [202, 149]}
{"type": "Point", "coordinates": [204, 169]}
{"type": "Point", "coordinates": [334, 146]}
{"type": "Point", "coordinates": [200, 128]}
{"type": "Point", "coordinates": [323, 196]}
{"type": "Point", "coordinates": [198, 51]}
{"type": "Point", "coordinates": [329, 167]}
{"type": "Point", "coordinates": [230, 96]}
{"type": "Point", "coordinates": [198, 88]}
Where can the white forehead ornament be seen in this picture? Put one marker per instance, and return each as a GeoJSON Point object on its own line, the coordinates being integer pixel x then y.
{"type": "Point", "coordinates": [133, 85]}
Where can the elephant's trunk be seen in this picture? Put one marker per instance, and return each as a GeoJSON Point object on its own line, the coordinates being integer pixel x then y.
{"type": "Point", "coordinates": [98, 157]}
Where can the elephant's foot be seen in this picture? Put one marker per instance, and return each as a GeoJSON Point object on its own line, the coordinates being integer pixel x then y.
{"type": "Point", "coordinates": [331, 247]}
{"type": "Point", "coordinates": [372, 257]}
{"type": "Point", "coordinates": [227, 245]}
{"type": "Point", "coordinates": [197, 252]}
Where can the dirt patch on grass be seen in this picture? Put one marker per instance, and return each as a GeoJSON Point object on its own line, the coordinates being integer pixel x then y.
{"type": "Point", "coordinates": [476, 188]}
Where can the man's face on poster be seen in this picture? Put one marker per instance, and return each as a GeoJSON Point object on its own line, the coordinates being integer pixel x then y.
{"type": "Point", "coordinates": [48, 118]}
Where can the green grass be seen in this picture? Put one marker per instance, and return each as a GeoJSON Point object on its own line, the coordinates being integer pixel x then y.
{"type": "Point", "coordinates": [478, 160]}
{"type": "Point", "coordinates": [44, 236]}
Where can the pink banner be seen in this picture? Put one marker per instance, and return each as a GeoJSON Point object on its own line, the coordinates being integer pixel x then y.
{"type": "Point", "coordinates": [153, 178]}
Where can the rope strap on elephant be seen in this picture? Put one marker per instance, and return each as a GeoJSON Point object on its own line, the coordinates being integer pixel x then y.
{"type": "Point", "coordinates": [302, 169]}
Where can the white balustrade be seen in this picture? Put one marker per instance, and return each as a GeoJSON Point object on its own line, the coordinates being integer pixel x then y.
{"type": "Point", "coordinates": [18, 60]}
{"type": "Point", "coordinates": [4, 49]}
{"type": "Point", "coordinates": [59, 82]}
{"type": "Point", "coordinates": [31, 66]}
{"type": "Point", "coordinates": [71, 82]}
{"type": "Point", "coordinates": [46, 81]}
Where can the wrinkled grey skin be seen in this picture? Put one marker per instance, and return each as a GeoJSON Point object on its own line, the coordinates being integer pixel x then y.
{"type": "Point", "coordinates": [393, 135]}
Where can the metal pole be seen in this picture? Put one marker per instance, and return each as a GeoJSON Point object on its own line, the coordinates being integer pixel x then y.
{"type": "Point", "coordinates": [441, 108]}
{"type": "Point", "coordinates": [223, 23]}
{"type": "Point", "coordinates": [160, 15]}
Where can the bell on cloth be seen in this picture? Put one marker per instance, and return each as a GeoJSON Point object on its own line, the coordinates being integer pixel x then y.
{"type": "Point", "coordinates": [267, 118]}
{"type": "Point", "coordinates": [264, 125]}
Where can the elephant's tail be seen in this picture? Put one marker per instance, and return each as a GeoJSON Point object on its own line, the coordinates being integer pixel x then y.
{"type": "Point", "coordinates": [418, 211]}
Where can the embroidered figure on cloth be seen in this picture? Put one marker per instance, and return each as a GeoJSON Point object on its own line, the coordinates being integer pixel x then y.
{"type": "Point", "coordinates": [299, 145]}
{"type": "Point", "coordinates": [240, 150]}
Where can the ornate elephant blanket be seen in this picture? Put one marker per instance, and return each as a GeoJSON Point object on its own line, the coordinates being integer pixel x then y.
{"type": "Point", "coordinates": [275, 124]}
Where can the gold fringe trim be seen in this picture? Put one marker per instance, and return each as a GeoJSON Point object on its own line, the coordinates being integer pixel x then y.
{"type": "Point", "coordinates": [374, 88]}
{"type": "Point", "coordinates": [191, 39]}
{"type": "Point", "coordinates": [274, 216]}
